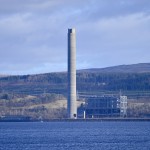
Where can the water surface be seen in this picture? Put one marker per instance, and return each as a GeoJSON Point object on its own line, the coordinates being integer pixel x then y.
{"type": "Point", "coordinates": [75, 136]}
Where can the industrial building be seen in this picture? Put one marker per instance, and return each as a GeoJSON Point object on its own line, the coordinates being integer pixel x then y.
{"type": "Point", "coordinates": [95, 106]}
{"type": "Point", "coordinates": [105, 106]}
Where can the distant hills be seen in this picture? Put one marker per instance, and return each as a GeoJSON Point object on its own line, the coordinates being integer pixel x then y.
{"type": "Point", "coordinates": [44, 95]}
{"type": "Point", "coordinates": [134, 68]}
{"type": "Point", "coordinates": [128, 78]}
{"type": "Point", "coordinates": [2, 75]}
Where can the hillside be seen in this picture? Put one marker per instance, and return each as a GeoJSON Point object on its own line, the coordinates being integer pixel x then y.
{"type": "Point", "coordinates": [88, 81]}
{"type": "Point", "coordinates": [44, 95]}
{"type": "Point", "coordinates": [134, 68]}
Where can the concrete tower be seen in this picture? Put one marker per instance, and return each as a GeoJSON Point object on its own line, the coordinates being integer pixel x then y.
{"type": "Point", "coordinates": [72, 106]}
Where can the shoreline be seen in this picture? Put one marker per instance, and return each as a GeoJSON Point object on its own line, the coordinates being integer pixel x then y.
{"type": "Point", "coordinates": [84, 120]}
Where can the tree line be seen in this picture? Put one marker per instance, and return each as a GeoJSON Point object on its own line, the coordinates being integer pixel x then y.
{"type": "Point", "coordinates": [86, 82]}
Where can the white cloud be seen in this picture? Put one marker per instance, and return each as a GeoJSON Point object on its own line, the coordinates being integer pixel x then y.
{"type": "Point", "coordinates": [34, 33]}
{"type": "Point", "coordinates": [117, 40]}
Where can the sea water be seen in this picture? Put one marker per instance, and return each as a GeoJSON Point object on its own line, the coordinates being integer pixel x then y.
{"type": "Point", "coordinates": [75, 136]}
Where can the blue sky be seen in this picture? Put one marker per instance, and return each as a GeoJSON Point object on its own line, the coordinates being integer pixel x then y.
{"type": "Point", "coordinates": [109, 32]}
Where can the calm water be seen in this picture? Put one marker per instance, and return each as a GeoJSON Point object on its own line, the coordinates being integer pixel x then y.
{"type": "Point", "coordinates": [75, 136]}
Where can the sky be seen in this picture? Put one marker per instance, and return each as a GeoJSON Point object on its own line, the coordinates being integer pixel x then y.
{"type": "Point", "coordinates": [33, 34]}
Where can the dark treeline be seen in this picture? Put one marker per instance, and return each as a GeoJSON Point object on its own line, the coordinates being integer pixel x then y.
{"type": "Point", "coordinates": [86, 82]}
{"type": "Point", "coordinates": [114, 81]}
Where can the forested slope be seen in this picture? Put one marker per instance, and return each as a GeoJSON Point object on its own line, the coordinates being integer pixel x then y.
{"type": "Point", "coordinates": [45, 95]}
{"type": "Point", "coordinates": [86, 82]}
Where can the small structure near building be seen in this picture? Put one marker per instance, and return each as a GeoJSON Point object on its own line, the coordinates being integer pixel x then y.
{"type": "Point", "coordinates": [105, 106]}
{"type": "Point", "coordinates": [123, 106]}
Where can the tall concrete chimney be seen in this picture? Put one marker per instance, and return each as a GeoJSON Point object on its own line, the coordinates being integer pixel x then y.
{"type": "Point", "coordinates": [72, 106]}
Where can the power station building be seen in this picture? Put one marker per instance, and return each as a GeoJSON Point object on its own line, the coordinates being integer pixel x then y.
{"type": "Point", "coordinates": [105, 106]}
{"type": "Point", "coordinates": [71, 105]}
{"type": "Point", "coordinates": [97, 106]}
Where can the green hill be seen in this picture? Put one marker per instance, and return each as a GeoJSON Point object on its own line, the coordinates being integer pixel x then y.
{"type": "Point", "coordinates": [88, 81]}
{"type": "Point", "coordinates": [44, 95]}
